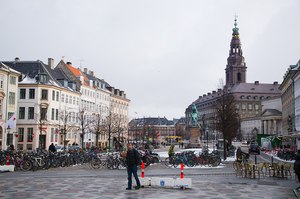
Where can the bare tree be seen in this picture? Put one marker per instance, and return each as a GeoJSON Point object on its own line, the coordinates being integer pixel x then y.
{"type": "Point", "coordinates": [65, 124]}
{"type": "Point", "coordinates": [85, 124]}
{"type": "Point", "coordinates": [227, 118]}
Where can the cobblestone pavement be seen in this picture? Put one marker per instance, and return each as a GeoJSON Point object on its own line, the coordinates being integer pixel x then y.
{"type": "Point", "coordinates": [82, 182]}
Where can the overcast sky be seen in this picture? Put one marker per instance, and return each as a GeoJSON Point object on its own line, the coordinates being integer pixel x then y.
{"type": "Point", "coordinates": [162, 53]}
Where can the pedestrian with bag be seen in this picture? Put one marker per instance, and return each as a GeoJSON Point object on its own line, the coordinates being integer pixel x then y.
{"type": "Point", "coordinates": [132, 161]}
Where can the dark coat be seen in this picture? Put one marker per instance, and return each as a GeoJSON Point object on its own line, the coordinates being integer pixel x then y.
{"type": "Point", "coordinates": [133, 158]}
{"type": "Point", "coordinates": [52, 148]}
{"type": "Point", "coordinates": [297, 164]}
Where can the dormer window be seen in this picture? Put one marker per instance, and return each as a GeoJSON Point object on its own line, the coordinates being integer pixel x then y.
{"type": "Point", "coordinates": [43, 78]}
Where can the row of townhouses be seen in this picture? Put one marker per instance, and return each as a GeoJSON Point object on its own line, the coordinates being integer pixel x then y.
{"type": "Point", "coordinates": [42, 104]}
{"type": "Point", "coordinates": [264, 108]}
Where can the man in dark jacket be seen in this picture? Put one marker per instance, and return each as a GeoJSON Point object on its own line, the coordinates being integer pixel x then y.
{"type": "Point", "coordinates": [52, 148]}
{"type": "Point", "coordinates": [132, 160]}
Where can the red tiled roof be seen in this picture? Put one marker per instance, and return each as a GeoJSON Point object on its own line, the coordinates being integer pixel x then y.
{"type": "Point", "coordinates": [77, 72]}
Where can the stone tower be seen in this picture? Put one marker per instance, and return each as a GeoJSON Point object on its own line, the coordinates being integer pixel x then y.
{"type": "Point", "coordinates": [236, 66]}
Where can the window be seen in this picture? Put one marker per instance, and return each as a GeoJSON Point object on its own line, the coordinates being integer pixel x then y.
{"type": "Point", "coordinates": [22, 93]}
{"type": "Point", "coordinates": [1, 81]}
{"type": "Point", "coordinates": [62, 97]}
{"type": "Point", "coordinates": [52, 135]}
{"type": "Point", "coordinates": [249, 106]}
{"type": "Point", "coordinates": [239, 77]}
{"type": "Point", "coordinates": [43, 113]}
{"type": "Point", "coordinates": [67, 98]}
{"type": "Point", "coordinates": [44, 94]}
{"type": "Point", "coordinates": [57, 96]}
{"type": "Point", "coordinates": [29, 134]}
{"type": "Point", "coordinates": [31, 93]}
{"type": "Point", "coordinates": [13, 80]}
{"type": "Point", "coordinates": [56, 114]}
{"type": "Point", "coordinates": [30, 113]}
{"type": "Point", "coordinates": [256, 106]}
{"type": "Point", "coordinates": [10, 114]}
{"type": "Point", "coordinates": [11, 98]}
{"type": "Point", "coordinates": [53, 95]}
{"type": "Point", "coordinates": [20, 134]}
{"type": "Point", "coordinates": [243, 106]}
{"type": "Point", "coordinates": [21, 112]}
{"type": "Point", "coordinates": [52, 114]}
{"type": "Point", "coordinates": [73, 100]}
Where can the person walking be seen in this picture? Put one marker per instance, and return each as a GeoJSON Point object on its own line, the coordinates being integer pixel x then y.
{"type": "Point", "coordinates": [132, 161]}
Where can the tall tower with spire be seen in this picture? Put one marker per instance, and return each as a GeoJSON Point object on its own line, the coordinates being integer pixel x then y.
{"type": "Point", "coordinates": [236, 66]}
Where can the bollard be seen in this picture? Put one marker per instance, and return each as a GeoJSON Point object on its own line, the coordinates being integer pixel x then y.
{"type": "Point", "coordinates": [181, 173]}
{"type": "Point", "coordinates": [143, 170]}
{"type": "Point", "coordinates": [7, 160]}
{"type": "Point", "coordinates": [255, 159]}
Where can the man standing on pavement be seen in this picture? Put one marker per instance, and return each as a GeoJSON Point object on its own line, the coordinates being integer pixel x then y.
{"type": "Point", "coordinates": [132, 160]}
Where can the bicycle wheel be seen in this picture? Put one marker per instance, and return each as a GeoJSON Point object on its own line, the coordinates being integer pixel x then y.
{"type": "Point", "coordinates": [167, 162]}
{"type": "Point", "coordinates": [95, 163]}
{"type": "Point", "coordinates": [215, 161]}
{"type": "Point", "coordinates": [26, 165]}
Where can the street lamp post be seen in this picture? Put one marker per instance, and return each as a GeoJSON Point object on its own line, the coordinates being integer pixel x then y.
{"type": "Point", "coordinates": [82, 129]}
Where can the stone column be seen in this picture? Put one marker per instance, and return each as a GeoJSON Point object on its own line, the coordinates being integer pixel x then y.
{"type": "Point", "coordinates": [270, 127]}
{"type": "Point", "coordinates": [265, 127]}
{"type": "Point", "coordinates": [275, 127]}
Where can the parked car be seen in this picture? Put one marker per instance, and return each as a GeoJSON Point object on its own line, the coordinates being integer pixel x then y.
{"type": "Point", "coordinates": [59, 148]}
{"type": "Point", "coordinates": [254, 148]}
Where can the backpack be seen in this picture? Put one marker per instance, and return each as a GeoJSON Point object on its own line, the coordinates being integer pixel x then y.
{"type": "Point", "coordinates": [137, 157]}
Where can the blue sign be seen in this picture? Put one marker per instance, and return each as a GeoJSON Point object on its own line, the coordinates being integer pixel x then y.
{"type": "Point", "coordinates": [162, 183]}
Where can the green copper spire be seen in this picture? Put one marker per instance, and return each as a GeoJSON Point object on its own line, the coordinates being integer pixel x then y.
{"type": "Point", "coordinates": [235, 29]}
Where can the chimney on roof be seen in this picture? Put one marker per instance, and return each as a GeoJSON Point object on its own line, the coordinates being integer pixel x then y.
{"type": "Point", "coordinates": [85, 70]}
{"type": "Point", "coordinates": [219, 90]}
{"type": "Point", "coordinates": [256, 82]}
{"type": "Point", "coordinates": [275, 83]}
{"type": "Point", "coordinates": [51, 63]}
{"type": "Point", "coordinates": [69, 63]}
{"type": "Point", "coordinates": [121, 93]}
{"type": "Point", "coordinates": [17, 59]}
{"type": "Point", "coordinates": [204, 95]}
{"type": "Point", "coordinates": [208, 94]}
{"type": "Point", "coordinates": [214, 92]}
{"type": "Point", "coordinates": [91, 73]}
{"type": "Point", "coordinates": [200, 97]}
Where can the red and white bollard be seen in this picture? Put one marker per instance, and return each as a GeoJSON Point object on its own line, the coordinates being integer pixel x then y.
{"type": "Point", "coordinates": [7, 160]}
{"type": "Point", "coordinates": [143, 170]}
{"type": "Point", "coordinates": [181, 173]}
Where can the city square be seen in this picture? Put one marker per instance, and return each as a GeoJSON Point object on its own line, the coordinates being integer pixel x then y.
{"type": "Point", "coordinates": [149, 99]}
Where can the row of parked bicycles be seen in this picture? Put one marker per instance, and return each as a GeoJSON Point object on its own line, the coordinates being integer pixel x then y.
{"type": "Point", "coordinates": [32, 161]}
{"type": "Point", "coordinates": [190, 159]}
